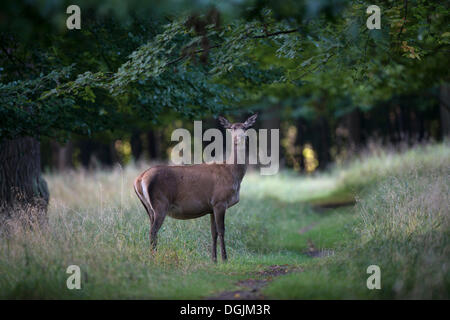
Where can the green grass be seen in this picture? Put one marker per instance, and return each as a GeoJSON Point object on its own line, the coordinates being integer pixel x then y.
{"type": "Point", "coordinates": [97, 223]}
{"type": "Point", "coordinates": [403, 226]}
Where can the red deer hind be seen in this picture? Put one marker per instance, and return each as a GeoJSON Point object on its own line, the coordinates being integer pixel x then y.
{"type": "Point", "coordinates": [192, 191]}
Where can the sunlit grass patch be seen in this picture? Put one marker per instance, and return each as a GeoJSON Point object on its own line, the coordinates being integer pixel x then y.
{"type": "Point", "coordinates": [403, 227]}
{"type": "Point", "coordinates": [378, 163]}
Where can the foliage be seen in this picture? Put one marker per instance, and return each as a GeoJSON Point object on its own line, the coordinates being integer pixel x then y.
{"type": "Point", "coordinates": [125, 68]}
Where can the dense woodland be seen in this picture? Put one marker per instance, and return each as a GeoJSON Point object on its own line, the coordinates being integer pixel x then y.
{"type": "Point", "coordinates": [113, 91]}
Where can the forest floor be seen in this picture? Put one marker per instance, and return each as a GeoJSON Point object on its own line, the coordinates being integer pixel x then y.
{"type": "Point", "coordinates": [290, 237]}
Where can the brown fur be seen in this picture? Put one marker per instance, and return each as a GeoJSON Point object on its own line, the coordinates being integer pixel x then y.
{"type": "Point", "coordinates": [192, 191]}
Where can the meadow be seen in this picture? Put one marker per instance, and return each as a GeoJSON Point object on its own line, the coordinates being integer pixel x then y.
{"type": "Point", "coordinates": [320, 232]}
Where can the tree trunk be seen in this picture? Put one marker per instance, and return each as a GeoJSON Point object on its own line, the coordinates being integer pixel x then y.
{"type": "Point", "coordinates": [21, 183]}
{"type": "Point", "coordinates": [61, 155]}
{"type": "Point", "coordinates": [300, 124]}
{"type": "Point", "coordinates": [353, 123]}
{"type": "Point", "coordinates": [136, 145]}
{"type": "Point", "coordinates": [323, 145]}
{"type": "Point", "coordinates": [154, 149]}
{"type": "Point", "coordinates": [445, 110]}
{"type": "Point", "coordinates": [271, 120]}
{"type": "Point", "coordinates": [114, 155]}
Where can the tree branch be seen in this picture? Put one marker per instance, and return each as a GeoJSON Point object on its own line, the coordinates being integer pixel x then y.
{"type": "Point", "coordinates": [275, 34]}
{"type": "Point", "coordinates": [404, 19]}
{"type": "Point", "coordinates": [195, 52]}
{"type": "Point", "coordinates": [219, 45]}
{"type": "Point", "coordinates": [317, 66]}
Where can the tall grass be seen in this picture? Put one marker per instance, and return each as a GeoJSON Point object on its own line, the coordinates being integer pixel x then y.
{"type": "Point", "coordinates": [403, 227]}
{"type": "Point", "coordinates": [96, 221]}
{"type": "Point", "coordinates": [377, 163]}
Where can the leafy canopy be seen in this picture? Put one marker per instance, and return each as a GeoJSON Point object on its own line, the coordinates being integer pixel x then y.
{"type": "Point", "coordinates": [122, 70]}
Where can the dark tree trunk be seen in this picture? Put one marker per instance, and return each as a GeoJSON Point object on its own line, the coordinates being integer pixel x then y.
{"type": "Point", "coordinates": [421, 128]}
{"type": "Point", "coordinates": [136, 145]}
{"type": "Point", "coordinates": [271, 120]}
{"type": "Point", "coordinates": [86, 149]}
{"type": "Point", "coordinates": [323, 143]}
{"type": "Point", "coordinates": [301, 142]}
{"type": "Point", "coordinates": [61, 155]}
{"type": "Point", "coordinates": [21, 183]}
{"type": "Point", "coordinates": [445, 110]}
{"type": "Point", "coordinates": [154, 151]}
{"type": "Point", "coordinates": [353, 124]}
{"type": "Point", "coordinates": [390, 117]}
{"type": "Point", "coordinates": [95, 154]}
{"type": "Point", "coordinates": [113, 154]}
{"type": "Point", "coordinates": [400, 125]}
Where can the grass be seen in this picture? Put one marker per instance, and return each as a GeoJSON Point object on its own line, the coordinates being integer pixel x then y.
{"type": "Point", "coordinates": [97, 223]}
{"type": "Point", "coordinates": [403, 226]}
{"type": "Point", "coordinates": [400, 222]}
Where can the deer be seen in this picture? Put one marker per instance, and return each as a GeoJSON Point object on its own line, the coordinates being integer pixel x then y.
{"type": "Point", "coordinates": [192, 191]}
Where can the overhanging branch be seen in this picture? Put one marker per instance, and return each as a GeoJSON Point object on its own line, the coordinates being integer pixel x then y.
{"type": "Point", "coordinates": [267, 35]}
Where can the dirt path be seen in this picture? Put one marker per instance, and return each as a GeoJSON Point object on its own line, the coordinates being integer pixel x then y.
{"type": "Point", "coordinates": [250, 289]}
{"type": "Point", "coordinates": [317, 253]}
{"type": "Point", "coordinates": [333, 205]}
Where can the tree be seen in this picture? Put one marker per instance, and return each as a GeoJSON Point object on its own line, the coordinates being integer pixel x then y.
{"type": "Point", "coordinates": [20, 174]}
{"type": "Point", "coordinates": [317, 62]}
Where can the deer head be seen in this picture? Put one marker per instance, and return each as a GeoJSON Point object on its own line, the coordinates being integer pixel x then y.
{"type": "Point", "coordinates": [239, 138]}
{"type": "Point", "coordinates": [238, 129]}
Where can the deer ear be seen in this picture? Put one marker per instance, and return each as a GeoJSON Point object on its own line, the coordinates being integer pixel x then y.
{"type": "Point", "coordinates": [250, 121]}
{"type": "Point", "coordinates": [224, 122]}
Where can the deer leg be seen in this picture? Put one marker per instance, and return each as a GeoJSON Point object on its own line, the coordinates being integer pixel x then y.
{"type": "Point", "coordinates": [157, 223]}
{"type": "Point", "coordinates": [150, 213]}
{"type": "Point", "coordinates": [219, 215]}
{"type": "Point", "coordinates": [159, 214]}
{"type": "Point", "coordinates": [146, 206]}
{"type": "Point", "coordinates": [214, 239]}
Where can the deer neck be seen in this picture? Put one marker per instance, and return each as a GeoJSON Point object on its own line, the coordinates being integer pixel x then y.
{"type": "Point", "coordinates": [238, 170]}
